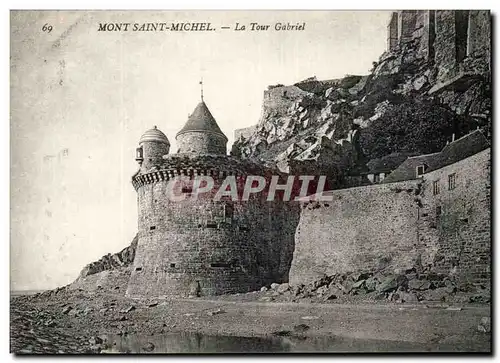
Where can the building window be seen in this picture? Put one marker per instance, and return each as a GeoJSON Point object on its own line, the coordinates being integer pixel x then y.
{"type": "Point", "coordinates": [376, 178]}
{"type": "Point", "coordinates": [452, 181]}
{"type": "Point", "coordinates": [420, 170]}
{"type": "Point", "coordinates": [228, 211]}
{"type": "Point", "coordinates": [139, 154]}
{"type": "Point", "coordinates": [435, 187]}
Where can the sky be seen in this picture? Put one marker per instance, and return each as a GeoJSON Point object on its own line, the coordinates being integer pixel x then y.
{"type": "Point", "coordinates": [81, 99]}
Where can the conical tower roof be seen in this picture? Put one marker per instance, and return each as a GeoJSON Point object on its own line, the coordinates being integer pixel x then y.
{"type": "Point", "coordinates": [201, 120]}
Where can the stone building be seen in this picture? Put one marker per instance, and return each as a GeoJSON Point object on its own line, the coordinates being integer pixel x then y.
{"type": "Point", "coordinates": [197, 245]}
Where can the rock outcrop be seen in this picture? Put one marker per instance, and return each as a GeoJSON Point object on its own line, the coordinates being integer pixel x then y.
{"type": "Point", "coordinates": [453, 96]}
{"type": "Point", "coordinates": [109, 262]}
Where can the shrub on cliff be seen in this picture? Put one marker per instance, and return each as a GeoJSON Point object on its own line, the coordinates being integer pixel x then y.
{"type": "Point", "coordinates": [415, 127]}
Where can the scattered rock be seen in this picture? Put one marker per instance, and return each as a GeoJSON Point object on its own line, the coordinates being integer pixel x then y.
{"type": "Point", "coordinates": [301, 328]}
{"type": "Point", "coordinates": [128, 310]}
{"type": "Point", "coordinates": [67, 309]}
{"type": "Point", "coordinates": [274, 286]}
{"type": "Point", "coordinates": [95, 340]}
{"type": "Point", "coordinates": [152, 305]}
{"type": "Point", "coordinates": [283, 288]}
{"type": "Point", "coordinates": [309, 317]}
{"type": "Point", "coordinates": [263, 289]}
{"type": "Point", "coordinates": [149, 347]}
{"type": "Point", "coordinates": [216, 312]}
{"type": "Point", "coordinates": [50, 323]}
{"type": "Point", "coordinates": [485, 325]}
{"type": "Point", "coordinates": [419, 285]}
{"type": "Point", "coordinates": [266, 298]}
{"type": "Point", "coordinates": [331, 297]}
{"type": "Point", "coordinates": [388, 284]}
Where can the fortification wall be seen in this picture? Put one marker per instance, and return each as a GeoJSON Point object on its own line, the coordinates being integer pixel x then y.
{"type": "Point", "coordinates": [245, 132]}
{"type": "Point", "coordinates": [224, 246]}
{"type": "Point", "coordinates": [201, 143]}
{"type": "Point", "coordinates": [278, 100]}
{"type": "Point", "coordinates": [479, 42]}
{"type": "Point", "coordinates": [399, 226]}
{"type": "Point", "coordinates": [361, 229]}
{"type": "Point", "coordinates": [455, 224]}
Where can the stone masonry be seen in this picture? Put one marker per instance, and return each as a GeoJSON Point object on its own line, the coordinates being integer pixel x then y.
{"type": "Point", "coordinates": [402, 225]}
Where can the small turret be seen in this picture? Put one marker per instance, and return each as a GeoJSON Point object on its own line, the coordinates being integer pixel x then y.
{"type": "Point", "coordinates": [201, 134]}
{"type": "Point", "coordinates": [152, 146]}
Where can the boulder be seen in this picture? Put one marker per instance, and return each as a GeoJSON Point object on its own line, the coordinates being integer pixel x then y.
{"type": "Point", "coordinates": [358, 284]}
{"type": "Point", "coordinates": [407, 297]}
{"type": "Point", "coordinates": [484, 325]}
{"type": "Point", "coordinates": [274, 286]}
{"type": "Point", "coordinates": [439, 294]}
{"type": "Point", "coordinates": [371, 284]}
{"type": "Point", "coordinates": [283, 288]}
{"type": "Point", "coordinates": [390, 283]}
{"type": "Point", "coordinates": [419, 285]}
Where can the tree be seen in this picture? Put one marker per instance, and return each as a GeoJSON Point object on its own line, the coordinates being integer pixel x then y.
{"type": "Point", "coordinates": [413, 126]}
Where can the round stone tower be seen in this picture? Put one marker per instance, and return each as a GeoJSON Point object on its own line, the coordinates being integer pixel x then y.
{"type": "Point", "coordinates": [152, 146]}
{"type": "Point", "coordinates": [201, 134]}
{"type": "Point", "coordinates": [201, 244]}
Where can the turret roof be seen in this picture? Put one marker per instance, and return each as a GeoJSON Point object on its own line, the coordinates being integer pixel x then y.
{"type": "Point", "coordinates": [201, 120]}
{"type": "Point", "coordinates": [154, 135]}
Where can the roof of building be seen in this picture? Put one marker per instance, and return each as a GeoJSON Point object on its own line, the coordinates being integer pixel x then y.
{"type": "Point", "coordinates": [201, 120]}
{"type": "Point", "coordinates": [387, 163]}
{"type": "Point", "coordinates": [462, 148]}
{"type": "Point", "coordinates": [455, 151]}
{"type": "Point", "coordinates": [407, 170]}
{"type": "Point", "coordinates": [154, 135]}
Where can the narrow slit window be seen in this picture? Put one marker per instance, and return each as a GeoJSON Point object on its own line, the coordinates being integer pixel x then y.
{"type": "Point", "coordinates": [438, 211]}
{"type": "Point", "coordinates": [186, 189]}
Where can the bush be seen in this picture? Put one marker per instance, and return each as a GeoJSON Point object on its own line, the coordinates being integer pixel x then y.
{"type": "Point", "coordinates": [416, 127]}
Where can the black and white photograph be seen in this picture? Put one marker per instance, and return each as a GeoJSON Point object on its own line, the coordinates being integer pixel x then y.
{"type": "Point", "coordinates": [250, 181]}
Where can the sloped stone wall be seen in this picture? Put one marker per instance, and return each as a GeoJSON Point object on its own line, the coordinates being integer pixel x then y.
{"type": "Point", "coordinates": [402, 225]}
{"type": "Point", "coordinates": [363, 228]}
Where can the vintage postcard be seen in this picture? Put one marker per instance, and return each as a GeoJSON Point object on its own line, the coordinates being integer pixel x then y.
{"type": "Point", "coordinates": [190, 182]}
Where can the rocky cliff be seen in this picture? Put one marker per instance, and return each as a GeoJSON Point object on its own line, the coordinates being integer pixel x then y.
{"type": "Point", "coordinates": [412, 101]}
{"type": "Point", "coordinates": [109, 262]}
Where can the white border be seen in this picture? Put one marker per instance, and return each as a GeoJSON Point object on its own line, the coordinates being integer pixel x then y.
{"type": "Point", "coordinates": [190, 4]}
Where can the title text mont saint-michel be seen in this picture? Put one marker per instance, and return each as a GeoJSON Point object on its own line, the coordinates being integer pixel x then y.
{"type": "Point", "coordinates": [197, 27]}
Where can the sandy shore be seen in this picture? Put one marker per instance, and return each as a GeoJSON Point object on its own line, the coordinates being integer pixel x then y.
{"type": "Point", "coordinates": [72, 322]}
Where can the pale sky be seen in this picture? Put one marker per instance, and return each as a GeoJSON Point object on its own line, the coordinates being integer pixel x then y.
{"type": "Point", "coordinates": [94, 93]}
